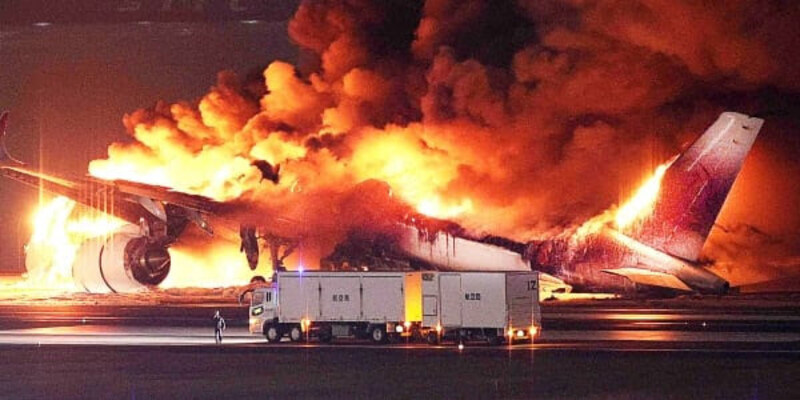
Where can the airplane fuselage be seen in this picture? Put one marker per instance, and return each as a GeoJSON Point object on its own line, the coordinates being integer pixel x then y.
{"type": "Point", "coordinates": [595, 262]}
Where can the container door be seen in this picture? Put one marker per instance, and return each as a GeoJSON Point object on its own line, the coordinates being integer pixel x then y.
{"type": "Point", "coordinates": [483, 301]}
{"type": "Point", "coordinates": [383, 298]}
{"type": "Point", "coordinates": [298, 298]}
{"type": "Point", "coordinates": [430, 310]}
{"type": "Point", "coordinates": [450, 297]}
{"type": "Point", "coordinates": [522, 290]}
{"type": "Point", "coordinates": [341, 298]}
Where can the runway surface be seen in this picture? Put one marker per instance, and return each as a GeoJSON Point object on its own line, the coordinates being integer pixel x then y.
{"type": "Point", "coordinates": [192, 325]}
{"type": "Point", "coordinates": [610, 351]}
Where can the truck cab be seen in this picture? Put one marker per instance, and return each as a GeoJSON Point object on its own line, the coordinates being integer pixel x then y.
{"type": "Point", "coordinates": [263, 307]}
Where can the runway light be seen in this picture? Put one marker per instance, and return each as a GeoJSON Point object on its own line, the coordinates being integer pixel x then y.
{"type": "Point", "coordinates": [461, 346]}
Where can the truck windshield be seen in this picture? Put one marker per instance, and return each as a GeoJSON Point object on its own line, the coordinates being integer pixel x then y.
{"type": "Point", "coordinates": [258, 298]}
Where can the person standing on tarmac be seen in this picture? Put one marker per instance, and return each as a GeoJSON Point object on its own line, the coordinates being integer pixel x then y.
{"type": "Point", "coordinates": [219, 326]}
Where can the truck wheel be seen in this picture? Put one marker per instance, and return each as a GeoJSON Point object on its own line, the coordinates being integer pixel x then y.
{"type": "Point", "coordinates": [296, 334]}
{"type": "Point", "coordinates": [378, 334]}
{"type": "Point", "coordinates": [273, 334]}
{"type": "Point", "coordinates": [433, 338]}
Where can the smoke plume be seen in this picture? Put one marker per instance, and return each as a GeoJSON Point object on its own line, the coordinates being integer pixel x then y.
{"type": "Point", "coordinates": [519, 118]}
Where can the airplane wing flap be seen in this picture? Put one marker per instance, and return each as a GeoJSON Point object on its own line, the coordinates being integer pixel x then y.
{"type": "Point", "coordinates": [651, 278]}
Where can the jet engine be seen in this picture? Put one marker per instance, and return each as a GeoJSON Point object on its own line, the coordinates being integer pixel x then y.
{"type": "Point", "coordinates": [120, 263]}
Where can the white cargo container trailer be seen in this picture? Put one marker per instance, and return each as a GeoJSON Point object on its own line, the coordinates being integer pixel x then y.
{"type": "Point", "coordinates": [491, 306]}
{"type": "Point", "coordinates": [374, 305]}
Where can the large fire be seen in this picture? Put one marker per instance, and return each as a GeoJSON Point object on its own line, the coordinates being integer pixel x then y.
{"type": "Point", "coordinates": [57, 234]}
{"type": "Point", "coordinates": [59, 229]}
{"type": "Point", "coordinates": [521, 121]}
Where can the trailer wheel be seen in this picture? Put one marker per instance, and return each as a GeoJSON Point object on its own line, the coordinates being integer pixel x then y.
{"type": "Point", "coordinates": [296, 334]}
{"type": "Point", "coordinates": [273, 334]}
{"type": "Point", "coordinates": [378, 334]}
{"type": "Point", "coordinates": [433, 338]}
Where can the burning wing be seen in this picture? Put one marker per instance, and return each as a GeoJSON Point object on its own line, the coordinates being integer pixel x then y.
{"type": "Point", "coordinates": [135, 256]}
{"type": "Point", "coordinates": [134, 202]}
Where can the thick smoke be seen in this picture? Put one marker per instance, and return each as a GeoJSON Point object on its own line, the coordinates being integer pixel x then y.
{"type": "Point", "coordinates": [517, 118]}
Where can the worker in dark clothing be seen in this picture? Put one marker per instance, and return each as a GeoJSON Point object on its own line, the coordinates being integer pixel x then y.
{"type": "Point", "coordinates": [219, 326]}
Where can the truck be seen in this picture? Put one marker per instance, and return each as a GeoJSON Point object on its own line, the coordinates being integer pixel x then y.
{"type": "Point", "coordinates": [490, 306]}
{"type": "Point", "coordinates": [380, 306]}
{"type": "Point", "coordinates": [386, 306]}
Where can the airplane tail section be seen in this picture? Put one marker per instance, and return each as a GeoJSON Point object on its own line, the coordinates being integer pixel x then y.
{"type": "Point", "coordinates": [695, 187]}
{"type": "Point", "coordinates": [5, 159]}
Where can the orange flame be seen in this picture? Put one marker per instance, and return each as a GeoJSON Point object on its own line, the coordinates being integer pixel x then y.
{"type": "Point", "coordinates": [643, 200]}
{"type": "Point", "coordinates": [55, 240]}
{"type": "Point", "coordinates": [218, 265]}
{"type": "Point", "coordinates": [58, 233]}
{"type": "Point", "coordinates": [638, 206]}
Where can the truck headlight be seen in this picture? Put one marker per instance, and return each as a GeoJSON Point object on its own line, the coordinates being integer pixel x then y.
{"type": "Point", "coordinates": [398, 328]}
{"type": "Point", "coordinates": [257, 310]}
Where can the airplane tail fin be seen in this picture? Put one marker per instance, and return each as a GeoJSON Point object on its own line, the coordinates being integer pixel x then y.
{"type": "Point", "coordinates": [695, 187]}
{"type": "Point", "coordinates": [5, 158]}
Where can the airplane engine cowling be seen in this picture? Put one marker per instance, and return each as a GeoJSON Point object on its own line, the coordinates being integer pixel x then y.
{"type": "Point", "coordinates": [120, 263]}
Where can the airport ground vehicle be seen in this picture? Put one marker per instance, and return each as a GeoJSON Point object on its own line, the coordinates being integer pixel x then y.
{"type": "Point", "coordinates": [487, 306]}
{"type": "Point", "coordinates": [380, 306]}
{"type": "Point", "coordinates": [383, 306]}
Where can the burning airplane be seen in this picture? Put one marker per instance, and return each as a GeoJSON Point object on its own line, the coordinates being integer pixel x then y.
{"type": "Point", "coordinates": [655, 240]}
{"type": "Point", "coordinates": [465, 135]}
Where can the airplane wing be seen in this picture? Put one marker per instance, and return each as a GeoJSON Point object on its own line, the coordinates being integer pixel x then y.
{"type": "Point", "coordinates": [651, 278]}
{"type": "Point", "coordinates": [162, 213]}
{"type": "Point", "coordinates": [166, 211]}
